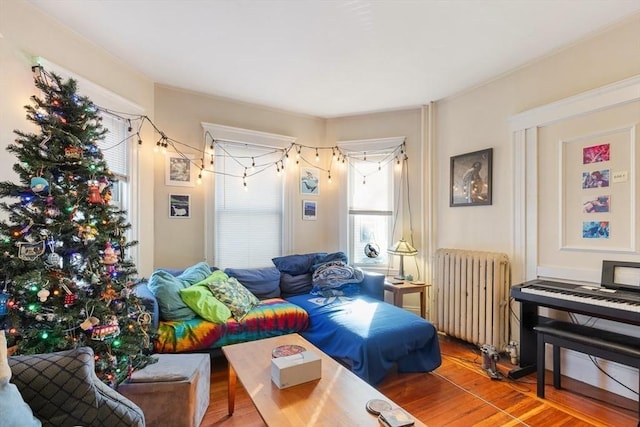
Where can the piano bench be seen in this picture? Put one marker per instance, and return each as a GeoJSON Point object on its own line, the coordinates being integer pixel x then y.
{"type": "Point", "coordinates": [608, 345]}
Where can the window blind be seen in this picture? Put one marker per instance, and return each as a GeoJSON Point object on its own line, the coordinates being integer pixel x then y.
{"type": "Point", "coordinates": [248, 224]}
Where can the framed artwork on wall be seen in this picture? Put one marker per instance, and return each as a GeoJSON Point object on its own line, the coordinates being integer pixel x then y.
{"type": "Point", "coordinates": [310, 181]}
{"type": "Point", "coordinates": [471, 178]}
{"type": "Point", "coordinates": [309, 210]}
{"type": "Point", "coordinates": [179, 170]}
{"type": "Point", "coordinates": [179, 206]}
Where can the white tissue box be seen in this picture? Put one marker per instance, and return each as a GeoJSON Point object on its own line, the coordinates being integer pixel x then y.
{"type": "Point", "coordinates": [296, 369]}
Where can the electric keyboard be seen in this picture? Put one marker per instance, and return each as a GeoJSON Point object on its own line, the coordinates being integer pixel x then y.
{"type": "Point", "coordinates": [612, 304]}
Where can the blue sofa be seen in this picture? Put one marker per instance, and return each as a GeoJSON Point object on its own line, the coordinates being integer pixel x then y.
{"type": "Point", "coordinates": [361, 330]}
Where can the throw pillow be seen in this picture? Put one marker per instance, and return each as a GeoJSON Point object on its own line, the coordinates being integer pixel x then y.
{"type": "Point", "coordinates": [231, 293]}
{"type": "Point", "coordinates": [262, 282]}
{"type": "Point", "coordinates": [166, 288]}
{"type": "Point", "coordinates": [297, 264]}
{"type": "Point", "coordinates": [201, 300]}
{"type": "Point", "coordinates": [295, 285]}
{"type": "Point", "coordinates": [15, 412]}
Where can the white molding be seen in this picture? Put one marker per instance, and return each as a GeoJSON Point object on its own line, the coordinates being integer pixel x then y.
{"type": "Point", "coordinates": [621, 92]}
{"type": "Point", "coordinates": [246, 136]}
{"type": "Point", "coordinates": [99, 95]}
{"type": "Point", "coordinates": [359, 145]}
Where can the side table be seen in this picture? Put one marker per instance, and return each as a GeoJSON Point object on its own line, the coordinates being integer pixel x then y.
{"type": "Point", "coordinates": [398, 288]}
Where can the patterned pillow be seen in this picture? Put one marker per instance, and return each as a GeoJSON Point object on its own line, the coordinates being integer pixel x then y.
{"type": "Point", "coordinates": [231, 293]}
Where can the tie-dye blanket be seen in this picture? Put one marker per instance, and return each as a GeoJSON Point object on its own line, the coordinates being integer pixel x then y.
{"type": "Point", "coordinates": [272, 317]}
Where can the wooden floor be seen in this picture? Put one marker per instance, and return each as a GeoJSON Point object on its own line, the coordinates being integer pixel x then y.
{"type": "Point", "coordinates": [460, 393]}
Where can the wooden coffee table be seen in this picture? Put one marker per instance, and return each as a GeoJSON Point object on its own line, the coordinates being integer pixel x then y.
{"type": "Point", "coordinates": [338, 398]}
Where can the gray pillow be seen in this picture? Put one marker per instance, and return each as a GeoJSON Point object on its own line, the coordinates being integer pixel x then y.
{"type": "Point", "coordinates": [262, 282]}
{"type": "Point", "coordinates": [295, 285]}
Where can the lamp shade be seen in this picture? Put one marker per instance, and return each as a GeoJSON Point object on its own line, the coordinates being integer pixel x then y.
{"type": "Point", "coordinates": [402, 247]}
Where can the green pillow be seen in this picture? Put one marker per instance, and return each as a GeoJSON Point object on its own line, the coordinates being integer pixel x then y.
{"type": "Point", "coordinates": [201, 300]}
{"type": "Point", "coordinates": [231, 293]}
{"type": "Point", "coordinates": [166, 287]}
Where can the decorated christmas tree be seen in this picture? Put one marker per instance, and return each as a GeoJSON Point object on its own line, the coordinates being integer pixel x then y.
{"type": "Point", "coordinates": [67, 279]}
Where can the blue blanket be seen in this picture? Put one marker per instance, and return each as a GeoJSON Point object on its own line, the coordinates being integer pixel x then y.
{"type": "Point", "coordinates": [370, 335]}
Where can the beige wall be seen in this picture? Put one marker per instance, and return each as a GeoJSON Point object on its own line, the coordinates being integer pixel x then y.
{"type": "Point", "coordinates": [180, 114]}
{"type": "Point", "coordinates": [26, 33]}
{"type": "Point", "coordinates": [479, 118]}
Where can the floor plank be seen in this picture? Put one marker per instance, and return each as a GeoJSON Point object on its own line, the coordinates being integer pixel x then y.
{"type": "Point", "coordinates": [460, 393]}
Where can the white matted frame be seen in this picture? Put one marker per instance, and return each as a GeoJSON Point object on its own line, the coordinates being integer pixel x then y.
{"type": "Point", "coordinates": [179, 206]}
{"type": "Point", "coordinates": [615, 181]}
{"type": "Point", "coordinates": [524, 127]}
{"type": "Point", "coordinates": [179, 170]}
{"type": "Point", "coordinates": [309, 181]}
{"type": "Point", "coordinates": [309, 210]}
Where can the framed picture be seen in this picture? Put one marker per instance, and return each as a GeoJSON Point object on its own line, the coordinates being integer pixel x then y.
{"type": "Point", "coordinates": [180, 170]}
{"type": "Point", "coordinates": [309, 181]}
{"type": "Point", "coordinates": [179, 206]}
{"type": "Point", "coordinates": [471, 178]}
{"type": "Point", "coordinates": [309, 210]}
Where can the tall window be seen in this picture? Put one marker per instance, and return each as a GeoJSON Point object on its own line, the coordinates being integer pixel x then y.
{"type": "Point", "coordinates": [370, 206]}
{"type": "Point", "coordinates": [248, 219]}
{"type": "Point", "coordinates": [370, 200]}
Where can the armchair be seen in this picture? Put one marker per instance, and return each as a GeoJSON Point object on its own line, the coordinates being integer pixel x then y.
{"type": "Point", "coordinates": [62, 389]}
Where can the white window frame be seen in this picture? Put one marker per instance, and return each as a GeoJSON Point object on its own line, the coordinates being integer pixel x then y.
{"type": "Point", "coordinates": [245, 136]}
{"type": "Point", "coordinates": [344, 227]}
{"type": "Point", "coordinates": [104, 98]}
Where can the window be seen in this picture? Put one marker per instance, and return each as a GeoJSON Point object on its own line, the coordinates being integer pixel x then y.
{"type": "Point", "coordinates": [114, 149]}
{"type": "Point", "coordinates": [246, 226]}
{"type": "Point", "coordinates": [119, 151]}
{"type": "Point", "coordinates": [370, 200]}
{"type": "Point", "coordinates": [370, 209]}
{"type": "Point", "coordinates": [248, 219]}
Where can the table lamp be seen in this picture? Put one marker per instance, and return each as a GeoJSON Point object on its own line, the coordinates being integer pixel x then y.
{"type": "Point", "coordinates": [402, 248]}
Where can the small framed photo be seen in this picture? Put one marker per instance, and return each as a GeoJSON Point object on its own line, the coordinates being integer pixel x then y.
{"type": "Point", "coordinates": [309, 210]}
{"type": "Point", "coordinates": [180, 170]}
{"type": "Point", "coordinates": [179, 206]}
{"type": "Point", "coordinates": [471, 178]}
{"type": "Point", "coordinates": [310, 181]}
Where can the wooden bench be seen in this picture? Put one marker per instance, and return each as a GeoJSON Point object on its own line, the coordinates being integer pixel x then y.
{"type": "Point", "coordinates": [608, 345]}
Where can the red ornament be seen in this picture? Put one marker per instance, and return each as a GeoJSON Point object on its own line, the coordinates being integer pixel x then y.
{"type": "Point", "coordinates": [69, 299]}
{"type": "Point", "coordinates": [94, 195]}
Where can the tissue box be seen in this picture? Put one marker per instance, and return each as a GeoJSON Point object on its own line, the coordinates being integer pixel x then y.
{"type": "Point", "coordinates": [296, 369]}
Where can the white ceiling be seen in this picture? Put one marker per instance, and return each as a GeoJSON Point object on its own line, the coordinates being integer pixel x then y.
{"type": "Point", "coordinates": [333, 57]}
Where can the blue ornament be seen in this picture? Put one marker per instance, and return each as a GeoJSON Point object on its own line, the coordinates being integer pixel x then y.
{"type": "Point", "coordinates": [39, 184]}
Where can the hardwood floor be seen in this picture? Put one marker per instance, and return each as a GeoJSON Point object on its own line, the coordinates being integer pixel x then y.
{"type": "Point", "coordinates": [460, 393]}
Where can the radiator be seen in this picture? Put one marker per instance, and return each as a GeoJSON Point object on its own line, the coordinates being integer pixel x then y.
{"type": "Point", "coordinates": [472, 289]}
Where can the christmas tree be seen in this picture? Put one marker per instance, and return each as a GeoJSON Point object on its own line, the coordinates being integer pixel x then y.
{"type": "Point", "coordinates": [63, 255]}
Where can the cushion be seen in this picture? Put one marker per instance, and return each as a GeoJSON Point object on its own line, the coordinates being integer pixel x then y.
{"type": "Point", "coordinates": [200, 299]}
{"type": "Point", "coordinates": [262, 282]}
{"type": "Point", "coordinates": [166, 288]}
{"type": "Point", "coordinates": [15, 412]}
{"type": "Point", "coordinates": [297, 264]}
{"type": "Point", "coordinates": [231, 293]}
{"type": "Point", "coordinates": [295, 285]}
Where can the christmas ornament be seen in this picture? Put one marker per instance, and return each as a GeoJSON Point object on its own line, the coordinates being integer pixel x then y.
{"type": "Point", "coordinates": [43, 294]}
{"type": "Point", "coordinates": [73, 153]}
{"type": "Point", "coordinates": [110, 330]}
{"type": "Point", "coordinates": [109, 257]}
{"type": "Point", "coordinates": [94, 194]}
{"type": "Point", "coordinates": [4, 303]}
{"type": "Point", "coordinates": [39, 184]}
{"type": "Point", "coordinates": [89, 323]}
{"type": "Point", "coordinates": [30, 251]}
{"type": "Point", "coordinates": [69, 297]}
